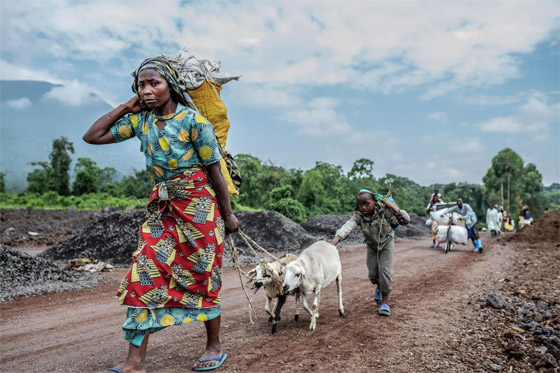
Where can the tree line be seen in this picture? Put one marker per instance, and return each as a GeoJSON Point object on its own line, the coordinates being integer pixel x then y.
{"type": "Point", "coordinates": [298, 194]}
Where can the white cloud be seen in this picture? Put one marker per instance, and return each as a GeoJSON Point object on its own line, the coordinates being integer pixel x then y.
{"type": "Point", "coordinates": [319, 118]}
{"type": "Point", "coordinates": [379, 46]}
{"type": "Point", "coordinates": [488, 100]}
{"type": "Point", "coordinates": [72, 94]}
{"type": "Point", "coordinates": [10, 71]}
{"type": "Point", "coordinates": [259, 96]}
{"type": "Point", "coordinates": [440, 117]}
{"type": "Point", "coordinates": [20, 103]}
{"type": "Point", "coordinates": [536, 117]}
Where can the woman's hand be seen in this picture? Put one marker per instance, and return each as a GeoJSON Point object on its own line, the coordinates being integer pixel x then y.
{"type": "Point", "coordinates": [134, 105]}
{"type": "Point", "coordinates": [335, 241]}
{"type": "Point", "coordinates": [231, 223]}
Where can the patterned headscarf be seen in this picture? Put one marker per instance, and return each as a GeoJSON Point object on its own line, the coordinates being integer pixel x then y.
{"type": "Point", "coordinates": [162, 66]}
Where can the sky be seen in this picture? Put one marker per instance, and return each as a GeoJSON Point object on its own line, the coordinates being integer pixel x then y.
{"type": "Point", "coordinates": [429, 90]}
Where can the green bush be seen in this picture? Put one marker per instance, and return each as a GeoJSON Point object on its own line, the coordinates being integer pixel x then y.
{"type": "Point", "coordinates": [290, 208]}
{"type": "Point", "coordinates": [52, 200]}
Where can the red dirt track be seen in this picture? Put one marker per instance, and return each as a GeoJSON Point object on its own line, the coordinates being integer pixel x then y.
{"type": "Point", "coordinates": [79, 331]}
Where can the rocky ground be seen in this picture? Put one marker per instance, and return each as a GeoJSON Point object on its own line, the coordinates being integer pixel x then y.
{"type": "Point", "coordinates": [25, 275]}
{"type": "Point", "coordinates": [35, 227]}
{"type": "Point", "coordinates": [520, 318]}
{"type": "Point", "coordinates": [455, 312]}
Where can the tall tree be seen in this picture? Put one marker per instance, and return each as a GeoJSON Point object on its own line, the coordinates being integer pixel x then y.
{"type": "Point", "coordinates": [39, 180]}
{"type": "Point", "coordinates": [2, 182]}
{"type": "Point", "coordinates": [87, 177]}
{"type": "Point", "coordinates": [361, 169]}
{"type": "Point", "coordinates": [326, 190]}
{"type": "Point", "coordinates": [60, 165]}
{"type": "Point", "coordinates": [503, 176]}
{"type": "Point", "coordinates": [532, 190]}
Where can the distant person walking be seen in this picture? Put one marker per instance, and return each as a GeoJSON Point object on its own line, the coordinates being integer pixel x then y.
{"type": "Point", "coordinates": [492, 222]}
{"type": "Point", "coordinates": [465, 210]}
{"type": "Point", "coordinates": [501, 217]}
{"type": "Point", "coordinates": [176, 275]}
{"type": "Point", "coordinates": [432, 206]}
{"type": "Point", "coordinates": [377, 217]}
{"type": "Point", "coordinates": [525, 217]}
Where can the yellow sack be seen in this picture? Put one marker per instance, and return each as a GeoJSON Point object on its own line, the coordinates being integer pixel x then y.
{"type": "Point", "coordinates": [208, 101]}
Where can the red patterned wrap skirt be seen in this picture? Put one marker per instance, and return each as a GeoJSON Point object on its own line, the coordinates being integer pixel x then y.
{"type": "Point", "coordinates": [178, 262]}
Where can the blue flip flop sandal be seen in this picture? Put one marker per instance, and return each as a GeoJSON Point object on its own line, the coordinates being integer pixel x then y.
{"type": "Point", "coordinates": [385, 310]}
{"type": "Point", "coordinates": [378, 296]}
{"type": "Point", "coordinates": [219, 359]}
{"type": "Point", "coordinates": [117, 370]}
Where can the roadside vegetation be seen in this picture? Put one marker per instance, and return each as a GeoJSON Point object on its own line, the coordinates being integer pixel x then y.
{"type": "Point", "coordinates": [298, 194]}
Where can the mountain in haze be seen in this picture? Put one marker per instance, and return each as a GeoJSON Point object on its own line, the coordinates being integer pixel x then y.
{"type": "Point", "coordinates": [31, 117]}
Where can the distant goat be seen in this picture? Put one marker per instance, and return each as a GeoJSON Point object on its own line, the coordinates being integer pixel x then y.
{"type": "Point", "coordinates": [316, 268]}
{"type": "Point", "coordinates": [269, 275]}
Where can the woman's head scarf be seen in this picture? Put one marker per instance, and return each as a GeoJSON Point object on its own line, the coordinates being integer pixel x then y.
{"type": "Point", "coordinates": [162, 66]}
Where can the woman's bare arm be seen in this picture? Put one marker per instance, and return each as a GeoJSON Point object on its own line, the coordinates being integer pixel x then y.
{"type": "Point", "coordinates": [220, 187]}
{"type": "Point", "coordinates": [99, 133]}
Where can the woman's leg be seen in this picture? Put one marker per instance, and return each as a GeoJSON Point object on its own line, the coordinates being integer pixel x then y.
{"type": "Point", "coordinates": [213, 344]}
{"type": "Point", "coordinates": [136, 358]}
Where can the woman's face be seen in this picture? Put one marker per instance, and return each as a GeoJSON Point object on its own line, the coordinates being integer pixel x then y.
{"type": "Point", "coordinates": [153, 89]}
{"type": "Point", "coordinates": [366, 204]}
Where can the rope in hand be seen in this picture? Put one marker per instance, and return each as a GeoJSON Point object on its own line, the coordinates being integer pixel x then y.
{"type": "Point", "coordinates": [235, 258]}
{"type": "Point", "coordinates": [380, 228]}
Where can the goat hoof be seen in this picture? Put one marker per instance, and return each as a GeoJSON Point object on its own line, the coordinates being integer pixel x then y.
{"type": "Point", "coordinates": [341, 313]}
{"type": "Point", "coordinates": [296, 317]}
{"type": "Point", "coordinates": [270, 319]}
{"type": "Point", "coordinates": [273, 331]}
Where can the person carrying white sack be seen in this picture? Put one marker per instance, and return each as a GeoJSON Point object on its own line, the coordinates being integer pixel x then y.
{"type": "Point", "coordinates": [466, 211]}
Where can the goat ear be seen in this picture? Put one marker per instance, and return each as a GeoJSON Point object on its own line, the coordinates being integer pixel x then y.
{"type": "Point", "coordinates": [252, 273]}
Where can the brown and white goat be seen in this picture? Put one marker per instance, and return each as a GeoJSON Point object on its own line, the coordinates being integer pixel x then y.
{"type": "Point", "coordinates": [269, 275]}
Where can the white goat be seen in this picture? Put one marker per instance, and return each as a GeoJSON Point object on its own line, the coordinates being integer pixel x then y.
{"type": "Point", "coordinates": [316, 268]}
{"type": "Point", "coordinates": [269, 276]}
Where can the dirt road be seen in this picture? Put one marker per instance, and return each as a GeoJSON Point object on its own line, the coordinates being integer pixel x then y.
{"type": "Point", "coordinates": [431, 303]}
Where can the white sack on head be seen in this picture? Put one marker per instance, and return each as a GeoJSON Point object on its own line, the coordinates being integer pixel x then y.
{"type": "Point", "coordinates": [194, 71]}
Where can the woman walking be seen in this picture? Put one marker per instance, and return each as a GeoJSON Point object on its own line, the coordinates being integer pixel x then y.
{"type": "Point", "coordinates": [176, 274]}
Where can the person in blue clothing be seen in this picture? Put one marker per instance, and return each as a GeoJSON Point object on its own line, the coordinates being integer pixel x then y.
{"type": "Point", "coordinates": [465, 210]}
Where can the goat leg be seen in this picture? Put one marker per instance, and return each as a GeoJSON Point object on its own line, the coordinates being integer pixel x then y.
{"type": "Point", "coordinates": [279, 303]}
{"type": "Point", "coordinates": [305, 305]}
{"type": "Point", "coordinates": [296, 316]}
{"type": "Point", "coordinates": [268, 310]}
{"type": "Point", "coordinates": [339, 288]}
